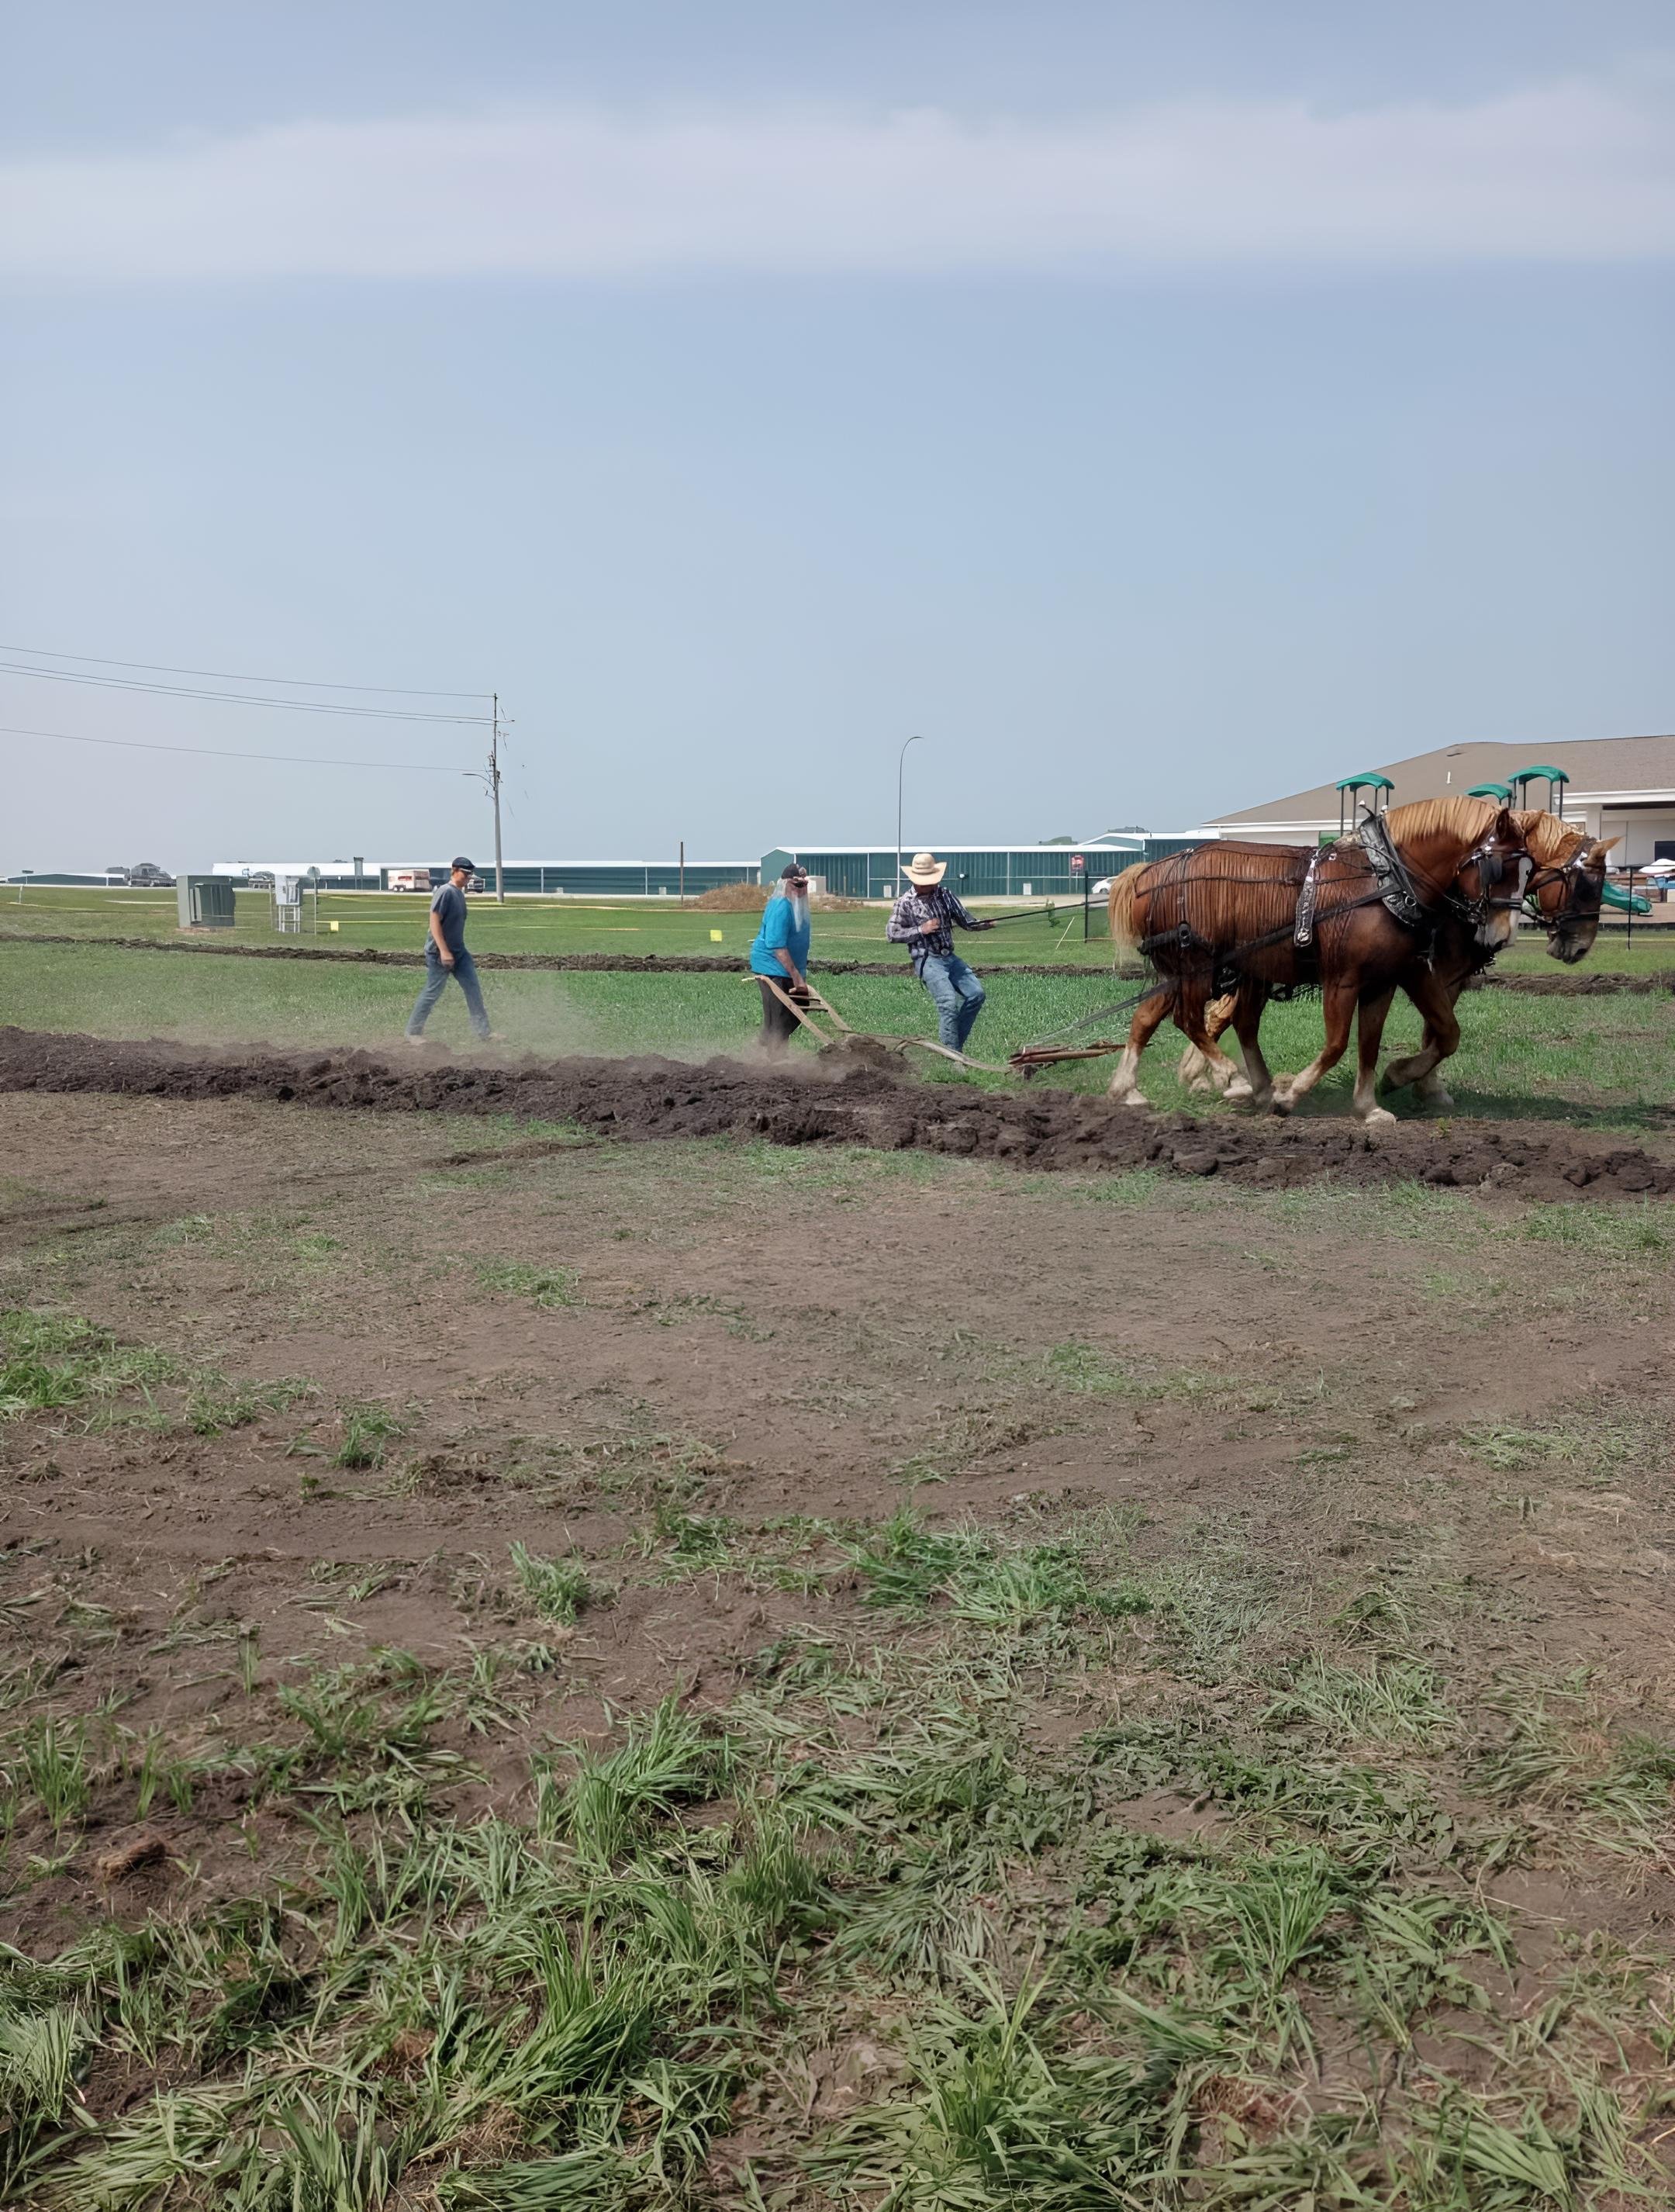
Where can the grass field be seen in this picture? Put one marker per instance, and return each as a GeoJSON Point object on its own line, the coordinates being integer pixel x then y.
{"type": "Point", "coordinates": [1607, 1060]}
{"type": "Point", "coordinates": [565, 1677]}
{"type": "Point", "coordinates": [397, 923]}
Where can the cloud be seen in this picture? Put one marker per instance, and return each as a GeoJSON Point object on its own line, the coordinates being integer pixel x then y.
{"type": "Point", "coordinates": [1579, 172]}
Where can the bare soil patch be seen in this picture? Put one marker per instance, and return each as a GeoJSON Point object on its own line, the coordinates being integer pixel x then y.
{"type": "Point", "coordinates": [1060, 1571]}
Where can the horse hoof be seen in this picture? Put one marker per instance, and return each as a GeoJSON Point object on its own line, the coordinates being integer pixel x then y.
{"type": "Point", "coordinates": [1135, 1099]}
{"type": "Point", "coordinates": [1238, 1092]}
{"type": "Point", "coordinates": [1377, 1118]}
{"type": "Point", "coordinates": [1444, 1099]}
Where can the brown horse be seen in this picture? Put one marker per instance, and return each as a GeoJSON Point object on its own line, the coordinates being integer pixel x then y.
{"type": "Point", "coordinates": [1230, 913]}
{"type": "Point", "coordinates": [1565, 890]}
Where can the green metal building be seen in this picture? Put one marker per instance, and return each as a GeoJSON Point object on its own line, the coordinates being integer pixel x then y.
{"type": "Point", "coordinates": [980, 872]}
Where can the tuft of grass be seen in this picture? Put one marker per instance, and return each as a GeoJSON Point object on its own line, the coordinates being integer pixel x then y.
{"type": "Point", "coordinates": [52, 1361]}
{"type": "Point", "coordinates": [1609, 1232]}
{"type": "Point", "coordinates": [216, 1405]}
{"type": "Point", "coordinates": [1392, 1700]}
{"type": "Point", "coordinates": [559, 1589]}
{"type": "Point", "coordinates": [1599, 1439]}
{"type": "Point", "coordinates": [547, 1287]}
{"type": "Point", "coordinates": [1074, 1365]}
{"type": "Point", "coordinates": [615, 1797]}
{"type": "Point", "coordinates": [905, 1565]}
{"type": "Point", "coordinates": [53, 1757]}
{"type": "Point", "coordinates": [366, 1430]}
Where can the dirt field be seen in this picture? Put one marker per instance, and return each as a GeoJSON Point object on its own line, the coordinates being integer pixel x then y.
{"type": "Point", "coordinates": [814, 1665]}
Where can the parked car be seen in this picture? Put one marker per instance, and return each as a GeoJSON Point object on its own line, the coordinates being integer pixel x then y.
{"type": "Point", "coordinates": [262, 880]}
{"type": "Point", "coordinates": [151, 875]}
{"type": "Point", "coordinates": [410, 879]}
{"type": "Point", "coordinates": [116, 875]}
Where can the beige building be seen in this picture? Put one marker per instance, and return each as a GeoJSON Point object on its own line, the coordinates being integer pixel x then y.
{"type": "Point", "coordinates": [1619, 788]}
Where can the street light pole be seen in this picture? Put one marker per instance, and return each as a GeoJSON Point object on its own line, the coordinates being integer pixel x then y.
{"type": "Point", "coordinates": [901, 764]}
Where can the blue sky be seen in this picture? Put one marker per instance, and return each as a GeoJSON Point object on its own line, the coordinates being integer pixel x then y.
{"type": "Point", "coordinates": [1159, 407]}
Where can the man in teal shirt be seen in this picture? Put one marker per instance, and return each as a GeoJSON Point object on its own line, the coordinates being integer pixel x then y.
{"type": "Point", "coordinates": [781, 951]}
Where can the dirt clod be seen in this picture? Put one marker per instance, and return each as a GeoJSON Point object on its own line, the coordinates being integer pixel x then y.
{"type": "Point", "coordinates": [145, 1847]}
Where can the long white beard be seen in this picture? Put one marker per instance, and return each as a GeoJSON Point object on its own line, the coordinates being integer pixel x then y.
{"type": "Point", "coordinates": [799, 911]}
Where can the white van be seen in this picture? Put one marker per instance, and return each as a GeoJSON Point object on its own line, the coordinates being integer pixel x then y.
{"type": "Point", "coordinates": [409, 879]}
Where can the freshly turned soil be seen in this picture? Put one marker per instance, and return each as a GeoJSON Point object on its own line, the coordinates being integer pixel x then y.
{"type": "Point", "coordinates": [851, 1098]}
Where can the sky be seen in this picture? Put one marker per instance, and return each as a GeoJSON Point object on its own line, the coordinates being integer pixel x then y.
{"type": "Point", "coordinates": [1155, 407]}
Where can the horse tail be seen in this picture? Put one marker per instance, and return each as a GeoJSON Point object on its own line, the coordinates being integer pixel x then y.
{"type": "Point", "coordinates": [1125, 932]}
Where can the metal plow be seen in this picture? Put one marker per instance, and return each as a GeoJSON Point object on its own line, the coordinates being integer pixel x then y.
{"type": "Point", "coordinates": [823, 1023]}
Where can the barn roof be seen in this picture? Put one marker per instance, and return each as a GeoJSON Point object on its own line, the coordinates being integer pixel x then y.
{"type": "Point", "coordinates": [1599, 768]}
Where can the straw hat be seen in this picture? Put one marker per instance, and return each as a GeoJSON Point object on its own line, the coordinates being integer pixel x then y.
{"type": "Point", "coordinates": [925, 869]}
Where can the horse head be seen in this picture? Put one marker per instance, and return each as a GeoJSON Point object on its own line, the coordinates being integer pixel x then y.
{"type": "Point", "coordinates": [1491, 882]}
{"type": "Point", "coordinates": [1566, 886]}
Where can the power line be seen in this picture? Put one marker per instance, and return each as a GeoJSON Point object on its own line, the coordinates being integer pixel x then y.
{"type": "Point", "coordinates": [238, 699]}
{"type": "Point", "coordinates": [227, 676]}
{"type": "Point", "coordinates": [216, 752]}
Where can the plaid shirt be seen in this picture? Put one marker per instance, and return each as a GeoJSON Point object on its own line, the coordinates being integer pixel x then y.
{"type": "Point", "coordinates": [916, 908]}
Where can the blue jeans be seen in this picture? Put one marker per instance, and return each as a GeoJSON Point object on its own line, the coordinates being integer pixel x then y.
{"type": "Point", "coordinates": [463, 972]}
{"type": "Point", "coordinates": [958, 994]}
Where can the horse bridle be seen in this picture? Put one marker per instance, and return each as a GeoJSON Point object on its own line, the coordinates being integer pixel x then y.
{"type": "Point", "coordinates": [1574, 874]}
{"type": "Point", "coordinates": [1490, 862]}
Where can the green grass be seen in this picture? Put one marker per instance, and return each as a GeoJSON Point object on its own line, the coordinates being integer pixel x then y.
{"type": "Point", "coordinates": [395, 921]}
{"type": "Point", "coordinates": [559, 1589]}
{"type": "Point", "coordinates": [51, 1362]}
{"type": "Point", "coordinates": [654, 1946]}
{"type": "Point", "coordinates": [1606, 1061]}
{"type": "Point", "coordinates": [547, 1287]}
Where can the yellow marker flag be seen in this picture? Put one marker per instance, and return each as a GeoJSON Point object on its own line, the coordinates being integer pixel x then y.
{"type": "Point", "coordinates": [332, 924]}
{"type": "Point", "coordinates": [715, 937]}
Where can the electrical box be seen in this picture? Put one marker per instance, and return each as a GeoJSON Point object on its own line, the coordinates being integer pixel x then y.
{"type": "Point", "coordinates": [205, 902]}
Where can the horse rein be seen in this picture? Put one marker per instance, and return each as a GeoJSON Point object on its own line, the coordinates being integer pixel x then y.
{"type": "Point", "coordinates": [1490, 864]}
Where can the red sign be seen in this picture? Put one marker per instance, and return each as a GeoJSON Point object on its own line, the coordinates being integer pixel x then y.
{"type": "Point", "coordinates": [1077, 864]}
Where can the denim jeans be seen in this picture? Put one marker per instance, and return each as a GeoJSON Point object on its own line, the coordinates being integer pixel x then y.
{"type": "Point", "coordinates": [958, 994]}
{"type": "Point", "coordinates": [463, 972]}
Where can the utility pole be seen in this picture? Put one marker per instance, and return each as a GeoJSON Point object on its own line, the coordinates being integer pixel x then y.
{"type": "Point", "coordinates": [495, 793]}
{"type": "Point", "coordinates": [683, 872]}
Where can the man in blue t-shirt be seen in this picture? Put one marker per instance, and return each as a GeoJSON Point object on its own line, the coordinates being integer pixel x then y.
{"type": "Point", "coordinates": [781, 952]}
{"type": "Point", "coordinates": [446, 955]}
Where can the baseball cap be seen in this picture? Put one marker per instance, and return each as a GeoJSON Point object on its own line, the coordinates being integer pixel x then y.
{"type": "Point", "coordinates": [795, 869]}
{"type": "Point", "coordinates": [468, 866]}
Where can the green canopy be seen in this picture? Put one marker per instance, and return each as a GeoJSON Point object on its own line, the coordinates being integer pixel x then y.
{"type": "Point", "coordinates": [1371, 781]}
{"type": "Point", "coordinates": [1501, 791]}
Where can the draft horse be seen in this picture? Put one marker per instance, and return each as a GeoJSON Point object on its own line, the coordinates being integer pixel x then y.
{"type": "Point", "coordinates": [1349, 917]}
{"type": "Point", "coordinates": [1564, 894]}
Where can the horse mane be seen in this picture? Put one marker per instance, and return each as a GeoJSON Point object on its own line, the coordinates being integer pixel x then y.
{"type": "Point", "coordinates": [1456, 815]}
{"type": "Point", "coordinates": [1550, 841]}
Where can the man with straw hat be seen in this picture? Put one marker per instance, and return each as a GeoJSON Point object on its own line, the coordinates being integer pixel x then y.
{"type": "Point", "coordinates": [924, 920]}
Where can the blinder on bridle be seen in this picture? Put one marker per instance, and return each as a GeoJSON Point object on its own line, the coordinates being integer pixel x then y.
{"type": "Point", "coordinates": [1490, 862]}
{"type": "Point", "coordinates": [1584, 892]}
